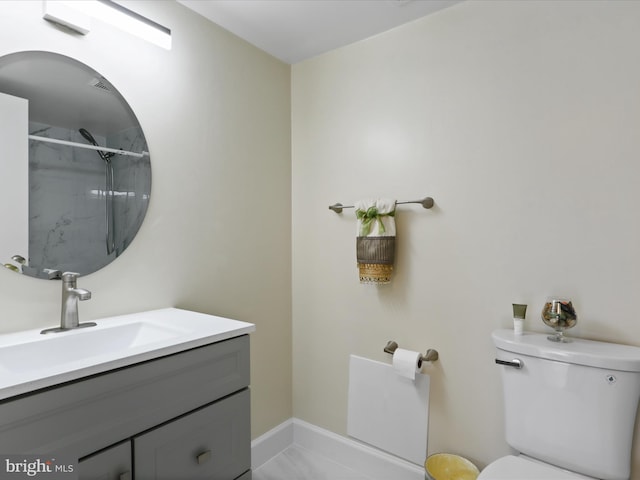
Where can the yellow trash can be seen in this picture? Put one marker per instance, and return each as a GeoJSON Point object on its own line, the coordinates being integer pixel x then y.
{"type": "Point", "coordinates": [446, 466]}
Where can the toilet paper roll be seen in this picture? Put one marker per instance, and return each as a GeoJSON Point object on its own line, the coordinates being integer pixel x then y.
{"type": "Point", "coordinates": [405, 363]}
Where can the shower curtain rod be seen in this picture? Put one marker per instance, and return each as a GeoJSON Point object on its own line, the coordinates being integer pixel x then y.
{"type": "Point", "coordinates": [90, 147]}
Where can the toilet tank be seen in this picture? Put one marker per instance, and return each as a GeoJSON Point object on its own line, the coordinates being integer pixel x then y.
{"type": "Point", "coordinates": [573, 404]}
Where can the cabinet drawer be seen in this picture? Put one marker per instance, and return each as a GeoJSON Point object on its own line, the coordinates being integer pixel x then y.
{"type": "Point", "coordinates": [212, 443]}
{"type": "Point", "coordinates": [110, 464]}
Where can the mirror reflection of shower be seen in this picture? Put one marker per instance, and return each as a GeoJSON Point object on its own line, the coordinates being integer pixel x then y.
{"type": "Point", "coordinates": [106, 157]}
{"type": "Point", "coordinates": [58, 191]}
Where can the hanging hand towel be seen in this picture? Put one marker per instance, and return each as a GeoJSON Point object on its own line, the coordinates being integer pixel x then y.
{"type": "Point", "coordinates": [375, 243]}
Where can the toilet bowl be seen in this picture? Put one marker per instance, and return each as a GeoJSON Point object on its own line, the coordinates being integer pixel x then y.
{"type": "Point", "coordinates": [523, 468]}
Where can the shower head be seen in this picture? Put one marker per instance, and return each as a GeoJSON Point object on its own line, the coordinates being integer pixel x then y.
{"type": "Point", "coordinates": [88, 137]}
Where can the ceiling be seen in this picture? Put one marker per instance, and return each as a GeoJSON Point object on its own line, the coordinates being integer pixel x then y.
{"type": "Point", "coordinates": [294, 30]}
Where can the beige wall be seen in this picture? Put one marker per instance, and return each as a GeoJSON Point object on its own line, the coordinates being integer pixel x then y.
{"type": "Point", "coordinates": [216, 114]}
{"type": "Point", "coordinates": [522, 120]}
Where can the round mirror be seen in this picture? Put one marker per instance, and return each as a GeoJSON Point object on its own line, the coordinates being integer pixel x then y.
{"type": "Point", "coordinates": [75, 168]}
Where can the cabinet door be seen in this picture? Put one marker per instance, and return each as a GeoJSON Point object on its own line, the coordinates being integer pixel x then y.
{"type": "Point", "coordinates": [111, 464]}
{"type": "Point", "coordinates": [212, 443]}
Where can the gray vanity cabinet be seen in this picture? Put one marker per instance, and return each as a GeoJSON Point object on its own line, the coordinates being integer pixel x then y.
{"type": "Point", "coordinates": [110, 464]}
{"type": "Point", "coordinates": [184, 416]}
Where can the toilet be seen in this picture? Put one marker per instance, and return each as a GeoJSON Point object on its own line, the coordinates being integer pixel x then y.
{"type": "Point", "coordinates": [570, 408]}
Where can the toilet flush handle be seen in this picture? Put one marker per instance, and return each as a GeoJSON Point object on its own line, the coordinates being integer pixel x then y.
{"type": "Point", "coordinates": [515, 363]}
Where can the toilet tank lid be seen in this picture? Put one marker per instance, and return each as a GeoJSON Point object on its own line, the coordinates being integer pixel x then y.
{"type": "Point", "coordinates": [579, 351]}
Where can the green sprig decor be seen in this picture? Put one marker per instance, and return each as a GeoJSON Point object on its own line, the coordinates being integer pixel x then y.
{"type": "Point", "coordinates": [367, 217]}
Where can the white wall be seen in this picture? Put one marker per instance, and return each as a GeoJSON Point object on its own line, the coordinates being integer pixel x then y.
{"type": "Point", "coordinates": [14, 170]}
{"type": "Point", "coordinates": [522, 120]}
{"type": "Point", "coordinates": [216, 239]}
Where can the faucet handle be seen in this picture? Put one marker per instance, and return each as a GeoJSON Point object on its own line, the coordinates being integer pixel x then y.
{"type": "Point", "coordinates": [70, 276]}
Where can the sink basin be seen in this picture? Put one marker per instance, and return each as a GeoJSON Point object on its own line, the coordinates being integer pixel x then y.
{"type": "Point", "coordinates": [30, 361]}
{"type": "Point", "coordinates": [63, 349]}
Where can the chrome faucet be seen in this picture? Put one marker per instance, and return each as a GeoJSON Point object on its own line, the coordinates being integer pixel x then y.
{"type": "Point", "coordinates": [71, 294]}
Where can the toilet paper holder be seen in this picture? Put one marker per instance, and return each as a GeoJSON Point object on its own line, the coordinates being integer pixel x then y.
{"type": "Point", "coordinates": [431, 356]}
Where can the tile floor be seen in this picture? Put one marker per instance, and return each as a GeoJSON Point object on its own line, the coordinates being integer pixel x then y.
{"type": "Point", "coordinates": [297, 463]}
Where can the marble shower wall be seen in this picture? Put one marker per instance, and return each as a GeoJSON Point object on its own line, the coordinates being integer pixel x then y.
{"type": "Point", "coordinates": [67, 199]}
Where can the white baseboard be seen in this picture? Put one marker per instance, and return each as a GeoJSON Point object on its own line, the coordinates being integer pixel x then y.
{"type": "Point", "coordinates": [362, 458]}
{"type": "Point", "coordinates": [270, 444]}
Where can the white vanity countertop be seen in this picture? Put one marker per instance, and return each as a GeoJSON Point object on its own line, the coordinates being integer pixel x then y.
{"type": "Point", "coordinates": [30, 361]}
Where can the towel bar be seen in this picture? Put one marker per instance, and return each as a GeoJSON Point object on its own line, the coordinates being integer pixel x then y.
{"type": "Point", "coordinates": [426, 202]}
{"type": "Point", "coordinates": [431, 356]}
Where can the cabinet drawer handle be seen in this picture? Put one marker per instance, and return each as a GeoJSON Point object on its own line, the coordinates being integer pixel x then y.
{"type": "Point", "coordinates": [125, 476]}
{"type": "Point", "coordinates": [204, 457]}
